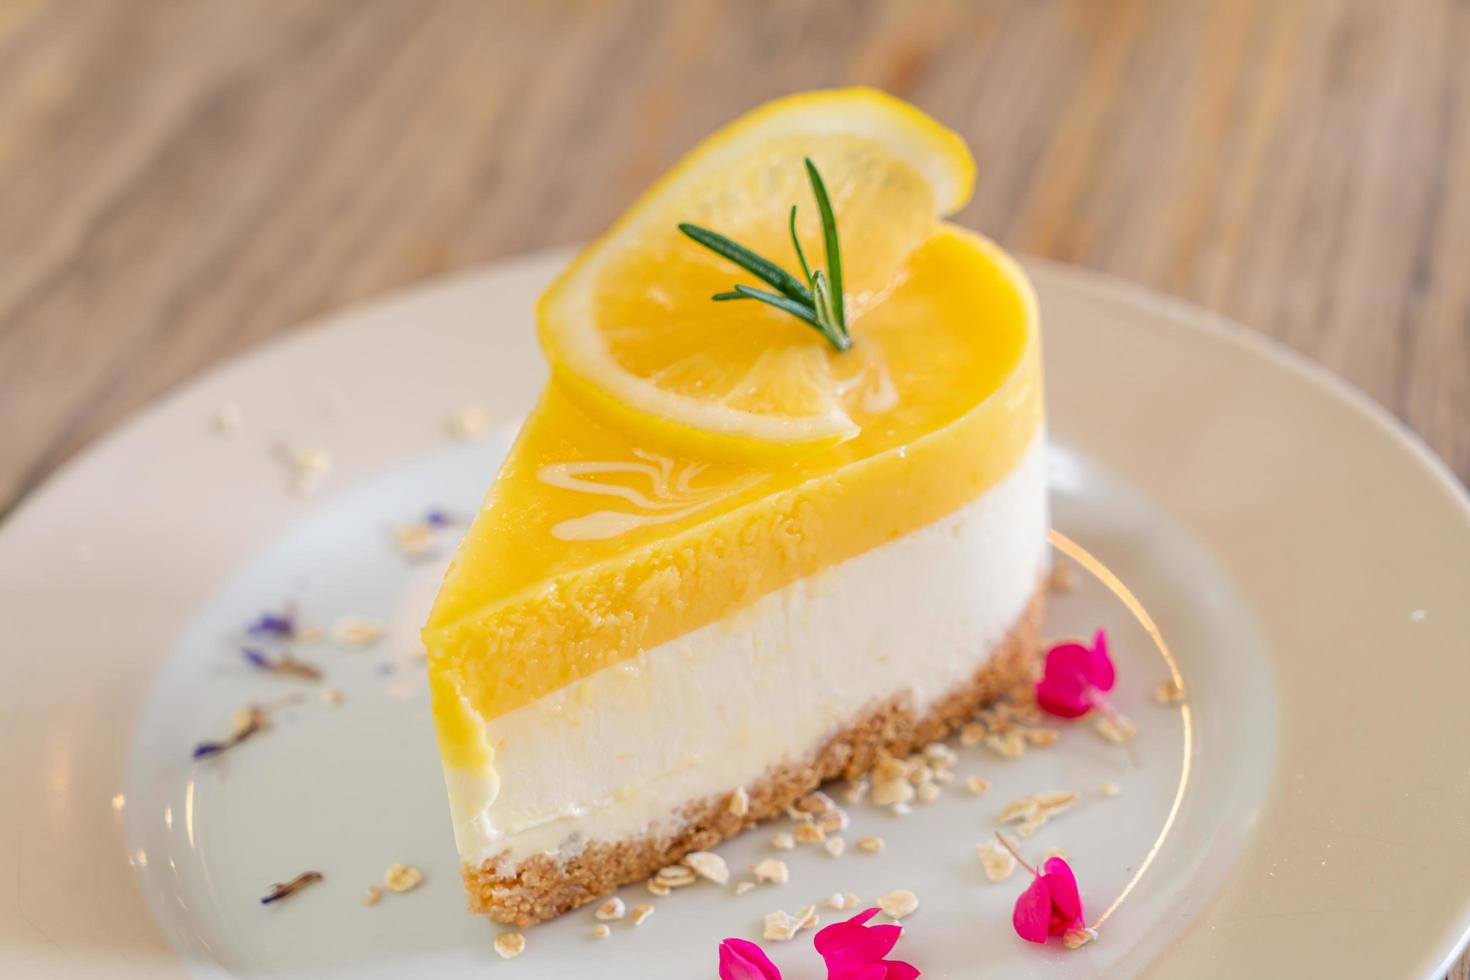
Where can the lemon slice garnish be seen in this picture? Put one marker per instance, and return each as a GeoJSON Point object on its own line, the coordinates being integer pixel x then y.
{"type": "Point", "coordinates": [631, 332]}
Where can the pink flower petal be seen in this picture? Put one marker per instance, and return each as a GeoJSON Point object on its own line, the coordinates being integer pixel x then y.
{"type": "Point", "coordinates": [1064, 689]}
{"type": "Point", "coordinates": [1066, 903]}
{"type": "Point", "coordinates": [853, 950]}
{"type": "Point", "coordinates": [741, 959]}
{"type": "Point", "coordinates": [1063, 696]}
{"type": "Point", "coordinates": [883, 970]}
{"type": "Point", "coordinates": [1101, 672]}
{"type": "Point", "coordinates": [1075, 676]}
{"type": "Point", "coordinates": [1077, 663]}
{"type": "Point", "coordinates": [851, 945]}
{"type": "Point", "coordinates": [1032, 914]}
{"type": "Point", "coordinates": [872, 971]}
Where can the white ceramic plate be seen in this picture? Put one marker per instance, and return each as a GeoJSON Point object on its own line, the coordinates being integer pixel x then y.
{"type": "Point", "coordinates": [1305, 562]}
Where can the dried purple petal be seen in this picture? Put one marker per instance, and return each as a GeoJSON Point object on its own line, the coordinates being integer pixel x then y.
{"type": "Point", "coordinates": [254, 720]}
{"type": "Point", "coordinates": [281, 625]}
{"type": "Point", "coordinates": [282, 890]}
{"type": "Point", "coordinates": [206, 749]}
{"type": "Point", "coordinates": [286, 664]}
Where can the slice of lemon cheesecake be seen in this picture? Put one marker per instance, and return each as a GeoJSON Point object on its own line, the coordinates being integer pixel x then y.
{"type": "Point", "coordinates": [740, 548]}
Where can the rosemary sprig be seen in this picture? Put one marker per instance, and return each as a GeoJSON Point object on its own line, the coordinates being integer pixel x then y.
{"type": "Point", "coordinates": [816, 302]}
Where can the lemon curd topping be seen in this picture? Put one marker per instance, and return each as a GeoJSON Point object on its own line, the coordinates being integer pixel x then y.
{"type": "Point", "coordinates": [601, 539]}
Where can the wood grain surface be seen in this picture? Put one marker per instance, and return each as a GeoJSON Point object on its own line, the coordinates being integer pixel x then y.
{"type": "Point", "coordinates": [182, 179]}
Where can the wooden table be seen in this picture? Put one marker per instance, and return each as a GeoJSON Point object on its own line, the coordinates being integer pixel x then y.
{"type": "Point", "coordinates": [182, 179]}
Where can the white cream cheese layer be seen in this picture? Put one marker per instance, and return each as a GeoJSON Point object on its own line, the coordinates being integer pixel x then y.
{"type": "Point", "coordinates": [621, 752]}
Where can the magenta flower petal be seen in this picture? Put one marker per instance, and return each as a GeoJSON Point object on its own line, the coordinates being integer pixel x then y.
{"type": "Point", "coordinates": [1100, 671]}
{"type": "Point", "coordinates": [861, 951]}
{"type": "Point", "coordinates": [1064, 688]}
{"type": "Point", "coordinates": [741, 959]}
{"type": "Point", "coordinates": [853, 950]}
{"type": "Point", "coordinates": [1032, 914]}
{"type": "Point", "coordinates": [882, 970]}
{"type": "Point", "coordinates": [1063, 697]}
{"type": "Point", "coordinates": [860, 919]}
{"type": "Point", "coordinates": [1075, 676]}
{"type": "Point", "coordinates": [845, 945]}
{"type": "Point", "coordinates": [1078, 664]}
{"type": "Point", "coordinates": [1066, 903]}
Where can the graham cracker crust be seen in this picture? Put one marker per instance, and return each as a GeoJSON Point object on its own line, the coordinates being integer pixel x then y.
{"type": "Point", "coordinates": [541, 888]}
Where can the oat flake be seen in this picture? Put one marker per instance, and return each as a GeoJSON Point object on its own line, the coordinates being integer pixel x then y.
{"type": "Point", "coordinates": [771, 871]}
{"type": "Point", "coordinates": [779, 926]}
{"type": "Point", "coordinates": [899, 904]}
{"type": "Point", "coordinates": [402, 878]}
{"type": "Point", "coordinates": [998, 862]}
{"type": "Point", "coordinates": [739, 803]}
{"type": "Point", "coordinates": [708, 865]}
{"type": "Point", "coordinates": [510, 945]}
